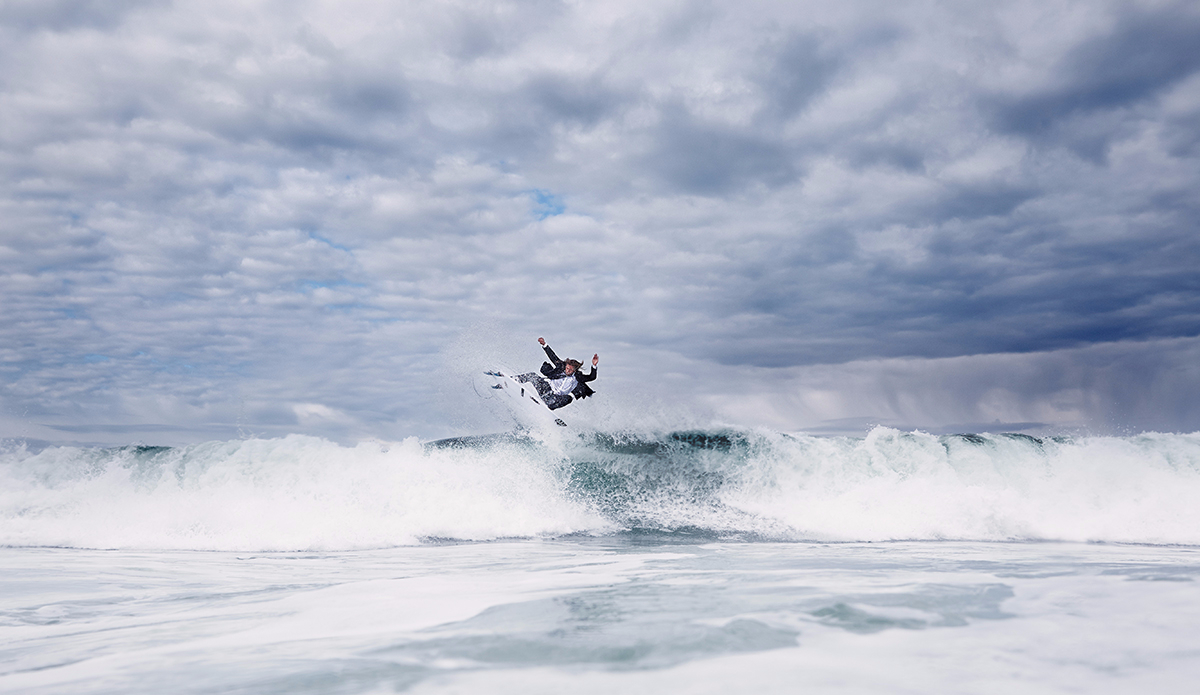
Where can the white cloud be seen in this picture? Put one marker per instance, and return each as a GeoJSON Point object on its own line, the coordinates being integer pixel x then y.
{"type": "Point", "coordinates": [237, 207]}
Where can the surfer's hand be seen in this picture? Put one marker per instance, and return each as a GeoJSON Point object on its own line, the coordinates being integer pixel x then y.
{"type": "Point", "coordinates": [595, 359]}
{"type": "Point", "coordinates": [541, 341]}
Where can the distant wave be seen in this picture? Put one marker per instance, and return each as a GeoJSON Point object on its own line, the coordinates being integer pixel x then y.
{"type": "Point", "coordinates": [303, 493]}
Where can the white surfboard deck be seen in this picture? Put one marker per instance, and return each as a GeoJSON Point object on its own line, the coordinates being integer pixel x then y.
{"type": "Point", "coordinates": [521, 398]}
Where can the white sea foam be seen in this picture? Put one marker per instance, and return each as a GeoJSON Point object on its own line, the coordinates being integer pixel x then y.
{"type": "Point", "coordinates": [279, 494]}
{"type": "Point", "coordinates": [305, 493]}
{"type": "Point", "coordinates": [898, 485]}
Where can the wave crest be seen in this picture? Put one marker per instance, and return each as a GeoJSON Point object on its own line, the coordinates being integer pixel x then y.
{"type": "Point", "coordinates": [305, 493]}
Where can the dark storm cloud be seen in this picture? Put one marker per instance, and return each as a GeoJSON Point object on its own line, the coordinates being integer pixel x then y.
{"type": "Point", "coordinates": [64, 15]}
{"type": "Point", "coordinates": [1146, 52]}
{"type": "Point", "coordinates": [1116, 387]}
{"type": "Point", "coordinates": [707, 156]}
{"type": "Point", "coordinates": [577, 101]}
{"type": "Point", "coordinates": [968, 202]}
{"type": "Point", "coordinates": [712, 160]}
{"type": "Point", "coordinates": [800, 71]}
{"type": "Point", "coordinates": [984, 291]}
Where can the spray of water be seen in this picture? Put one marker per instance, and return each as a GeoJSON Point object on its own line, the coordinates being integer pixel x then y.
{"type": "Point", "coordinates": [306, 493]}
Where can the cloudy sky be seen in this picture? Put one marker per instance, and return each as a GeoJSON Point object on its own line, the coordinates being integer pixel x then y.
{"type": "Point", "coordinates": [228, 218]}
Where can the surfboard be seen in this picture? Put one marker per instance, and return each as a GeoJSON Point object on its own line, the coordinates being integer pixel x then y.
{"type": "Point", "coordinates": [521, 398]}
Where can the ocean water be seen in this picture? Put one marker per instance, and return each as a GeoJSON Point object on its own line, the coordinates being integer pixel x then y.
{"type": "Point", "coordinates": [683, 561]}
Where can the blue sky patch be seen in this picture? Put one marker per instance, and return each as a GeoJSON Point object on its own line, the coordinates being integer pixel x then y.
{"type": "Point", "coordinates": [547, 204]}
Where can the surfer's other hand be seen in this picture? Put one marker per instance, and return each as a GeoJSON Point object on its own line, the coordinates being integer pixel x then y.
{"type": "Point", "coordinates": [595, 359]}
{"type": "Point", "coordinates": [541, 341]}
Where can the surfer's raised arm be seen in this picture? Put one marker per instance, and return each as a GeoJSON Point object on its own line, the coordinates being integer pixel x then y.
{"type": "Point", "coordinates": [560, 363]}
{"type": "Point", "coordinates": [550, 353]}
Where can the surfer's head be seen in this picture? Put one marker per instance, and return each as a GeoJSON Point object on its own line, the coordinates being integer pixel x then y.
{"type": "Point", "coordinates": [569, 366]}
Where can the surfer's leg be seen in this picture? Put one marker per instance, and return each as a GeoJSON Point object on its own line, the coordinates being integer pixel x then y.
{"type": "Point", "coordinates": [543, 387]}
{"type": "Point", "coordinates": [555, 401]}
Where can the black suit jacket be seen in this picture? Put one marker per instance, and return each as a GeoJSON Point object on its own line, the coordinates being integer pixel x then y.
{"type": "Point", "coordinates": [555, 370]}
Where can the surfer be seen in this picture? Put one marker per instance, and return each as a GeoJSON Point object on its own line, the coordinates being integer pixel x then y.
{"type": "Point", "coordinates": [560, 381]}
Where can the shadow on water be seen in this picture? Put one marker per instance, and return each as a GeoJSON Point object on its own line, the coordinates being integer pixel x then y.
{"type": "Point", "coordinates": [632, 627]}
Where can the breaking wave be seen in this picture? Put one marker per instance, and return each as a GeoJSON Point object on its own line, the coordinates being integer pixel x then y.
{"type": "Point", "coordinates": [304, 493]}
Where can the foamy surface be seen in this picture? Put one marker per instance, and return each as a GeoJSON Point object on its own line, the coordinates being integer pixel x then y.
{"type": "Point", "coordinates": [604, 615]}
